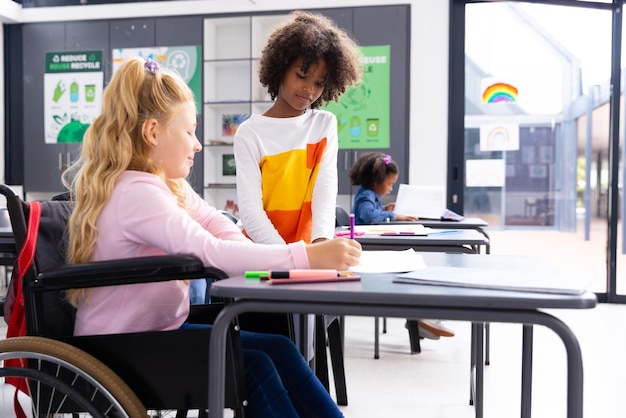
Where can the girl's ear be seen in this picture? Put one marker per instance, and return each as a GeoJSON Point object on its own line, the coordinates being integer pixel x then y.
{"type": "Point", "coordinates": [150, 129]}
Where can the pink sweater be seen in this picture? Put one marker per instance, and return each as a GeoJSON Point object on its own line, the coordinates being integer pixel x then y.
{"type": "Point", "coordinates": [142, 219]}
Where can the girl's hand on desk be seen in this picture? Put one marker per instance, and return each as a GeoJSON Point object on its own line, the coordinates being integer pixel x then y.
{"type": "Point", "coordinates": [406, 218]}
{"type": "Point", "coordinates": [338, 253]}
{"type": "Point", "coordinates": [390, 206]}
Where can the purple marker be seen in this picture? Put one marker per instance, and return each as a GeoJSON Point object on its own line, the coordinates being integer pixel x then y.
{"type": "Point", "coordinates": [352, 226]}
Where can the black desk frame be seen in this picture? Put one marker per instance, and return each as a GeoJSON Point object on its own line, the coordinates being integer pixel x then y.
{"type": "Point", "coordinates": [445, 244]}
{"type": "Point", "coordinates": [477, 315]}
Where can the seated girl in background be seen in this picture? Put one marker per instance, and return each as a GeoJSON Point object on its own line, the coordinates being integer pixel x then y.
{"type": "Point", "coordinates": [376, 173]}
{"type": "Point", "coordinates": [133, 199]}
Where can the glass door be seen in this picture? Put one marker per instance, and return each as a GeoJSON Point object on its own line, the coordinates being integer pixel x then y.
{"type": "Point", "coordinates": [536, 130]}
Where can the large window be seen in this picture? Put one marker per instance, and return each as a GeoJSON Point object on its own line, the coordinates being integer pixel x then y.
{"type": "Point", "coordinates": [536, 163]}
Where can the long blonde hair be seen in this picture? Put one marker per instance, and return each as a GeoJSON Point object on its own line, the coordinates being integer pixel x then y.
{"type": "Point", "coordinates": [139, 91]}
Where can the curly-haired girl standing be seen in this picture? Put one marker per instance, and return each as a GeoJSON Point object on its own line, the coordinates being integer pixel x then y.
{"type": "Point", "coordinates": [287, 157]}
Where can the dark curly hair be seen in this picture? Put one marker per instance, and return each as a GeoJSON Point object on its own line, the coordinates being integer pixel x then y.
{"type": "Point", "coordinates": [312, 37]}
{"type": "Point", "coordinates": [372, 168]}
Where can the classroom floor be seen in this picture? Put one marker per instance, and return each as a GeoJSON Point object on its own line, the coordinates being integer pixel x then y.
{"type": "Point", "coordinates": [435, 382]}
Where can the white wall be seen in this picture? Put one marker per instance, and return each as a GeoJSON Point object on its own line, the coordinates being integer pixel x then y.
{"type": "Point", "coordinates": [429, 59]}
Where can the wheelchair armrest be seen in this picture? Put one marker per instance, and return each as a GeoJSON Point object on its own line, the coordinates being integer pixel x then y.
{"type": "Point", "coordinates": [124, 271]}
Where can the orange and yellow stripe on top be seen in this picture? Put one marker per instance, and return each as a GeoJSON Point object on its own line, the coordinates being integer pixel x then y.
{"type": "Point", "coordinates": [287, 180]}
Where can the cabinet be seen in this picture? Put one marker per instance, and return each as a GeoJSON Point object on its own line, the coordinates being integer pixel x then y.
{"type": "Point", "coordinates": [232, 92]}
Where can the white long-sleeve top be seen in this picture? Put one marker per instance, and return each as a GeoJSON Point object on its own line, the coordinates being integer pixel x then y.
{"type": "Point", "coordinates": [287, 176]}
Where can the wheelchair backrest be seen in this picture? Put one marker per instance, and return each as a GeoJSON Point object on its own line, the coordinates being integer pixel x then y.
{"type": "Point", "coordinates": [54, 315]}
{"type": "Point", "coordinates": [47, 314]}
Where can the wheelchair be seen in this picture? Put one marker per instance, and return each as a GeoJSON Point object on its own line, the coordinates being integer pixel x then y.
{"type": "Point", "coordinates": [160, 373]}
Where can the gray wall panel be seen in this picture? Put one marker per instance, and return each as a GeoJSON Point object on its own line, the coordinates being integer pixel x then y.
{"type": "Point", "coordinates": [173, 31]}
{"type": "Point", "coordinates": [132, 33]}
{"type": "Point", "coordinates": [81, 36]}
{"type": "Point", "coordinates": [41, 162]}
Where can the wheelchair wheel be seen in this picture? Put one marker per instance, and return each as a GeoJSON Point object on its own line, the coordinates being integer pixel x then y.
{"type": "Point", "coordinates": [62, 380]}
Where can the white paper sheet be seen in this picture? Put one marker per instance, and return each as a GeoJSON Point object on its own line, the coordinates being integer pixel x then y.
{"type": "Point", "coordinates": [389, 262]}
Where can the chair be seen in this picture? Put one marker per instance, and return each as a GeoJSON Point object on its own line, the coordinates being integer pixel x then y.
{"type": "Point", "coordinates": [341, 217]}
{"type": "Point", "coordinates": [110, 372]}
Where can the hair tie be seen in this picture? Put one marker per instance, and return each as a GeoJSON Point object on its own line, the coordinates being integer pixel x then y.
{"type": "Point", "coordinates": [151, 65]}
{"type": "Point", "coordinates": [387, 159]}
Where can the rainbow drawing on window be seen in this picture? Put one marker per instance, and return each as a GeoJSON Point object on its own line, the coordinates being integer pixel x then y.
{"type": "Point", "coordinates": [499, 137]}
{"type": "Point", "coordinates": [500, 93]}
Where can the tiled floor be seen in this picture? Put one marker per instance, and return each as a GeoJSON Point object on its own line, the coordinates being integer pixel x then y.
{"type": "Point", "coordinates": [435, 383]}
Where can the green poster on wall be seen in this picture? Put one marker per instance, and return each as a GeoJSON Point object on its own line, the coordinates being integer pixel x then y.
{"type": "Point", "coordinates": [73, 84]}
{"type": "Point", "coordinates": [184, 59]}
{"type": "Point", "coordinates": [363, 110]}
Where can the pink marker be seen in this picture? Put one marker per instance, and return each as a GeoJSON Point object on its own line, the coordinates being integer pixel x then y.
{"type": "Point", "coordinates": [303, 273]}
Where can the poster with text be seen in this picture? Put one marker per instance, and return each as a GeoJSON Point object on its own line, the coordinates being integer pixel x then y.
{"type": "Point", "coordinates": [184, 59]}
{"type": "Point", "coordinates": [363, 110]}
{"type": "Point", "coordinates": [73, 85]}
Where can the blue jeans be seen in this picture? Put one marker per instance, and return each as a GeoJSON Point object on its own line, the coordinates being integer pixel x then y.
{"type": "Point", "coordinates": [279, 381]}
{"type": "Point", "coordinates": [200, 291]}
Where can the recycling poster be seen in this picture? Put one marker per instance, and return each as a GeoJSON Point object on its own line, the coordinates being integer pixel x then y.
{"type": "Point", "coordinates": [363, 111]}
{"type": "Point", "coordinates": [73, 85]}
{"type": "Point", "coordinates": [186, 60]}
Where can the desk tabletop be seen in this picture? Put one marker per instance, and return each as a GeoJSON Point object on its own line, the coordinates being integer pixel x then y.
{"type": "Point", "coordinates": [467, 223]}
{"type": "Point", "coordinates": [443, 237]}
{"type": "Point", "coordinates": [379, 289]}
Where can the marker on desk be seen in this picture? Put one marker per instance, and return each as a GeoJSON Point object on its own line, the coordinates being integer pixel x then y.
{"type": "Point", "coordinates": [303, 273]}
{"type": "Point", "coordinates": [352, 226]}
{"type": "Point", "coordinates": [297, 274]}
{"type": "Point", "coordinates": [261, 275]}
